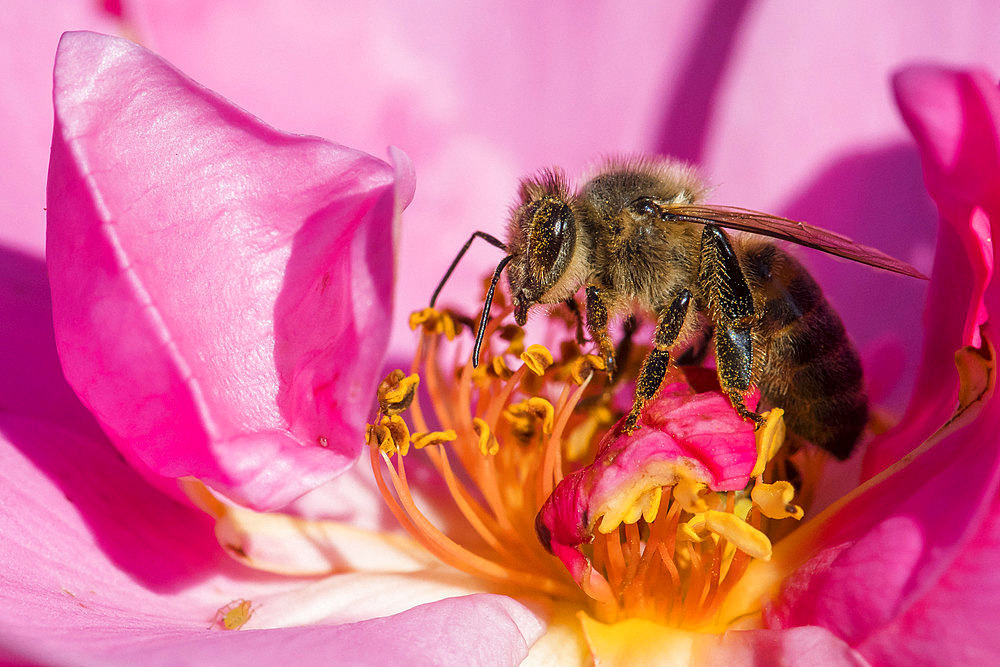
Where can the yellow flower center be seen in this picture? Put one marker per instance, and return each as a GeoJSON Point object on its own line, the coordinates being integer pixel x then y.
{"type": "Point", "coordinates": [502, 436]}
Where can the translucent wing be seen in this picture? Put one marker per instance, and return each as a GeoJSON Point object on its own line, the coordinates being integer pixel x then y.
{"type": "Point", "coordinates": [789, 230]}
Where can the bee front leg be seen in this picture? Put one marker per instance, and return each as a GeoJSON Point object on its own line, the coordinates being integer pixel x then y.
{"type": "Point", "coordinates": [654, 367]}
{"type": "Point", "coordinates": [574, 308]}
{"type": "Point", "coordinates": [597, 323]}
{"type": "Point", "coordinates": [733, 316]}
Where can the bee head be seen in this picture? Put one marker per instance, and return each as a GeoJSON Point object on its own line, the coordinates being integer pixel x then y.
{"type": "Point", "coordinates": [541, 241]}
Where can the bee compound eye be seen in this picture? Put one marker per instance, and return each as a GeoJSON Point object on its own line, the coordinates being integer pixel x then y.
{"type": "Point", "coordinates": [551, 231]}
{"type": "Point", "coordinates": [646, 207]}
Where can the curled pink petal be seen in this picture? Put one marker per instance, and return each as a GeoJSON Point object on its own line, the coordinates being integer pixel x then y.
{"type": "Point", "coordinates": [681, 434]}
{"type": "Point", "coordinates": [954, 118]}
{"type": "Point", "coordinates": [221, 291]}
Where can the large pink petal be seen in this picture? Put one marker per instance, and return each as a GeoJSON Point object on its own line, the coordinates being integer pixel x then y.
{"type": "Point", "coordinates": [100, 568]}
{"type": "Point", "coordinates": [956, 621]}
{"type": "Point", "coordinates": [220, 290]}
{"type": "Point", "coordinates": [955, 119]}
{"type": "Point", "coordinates": [891, 548]}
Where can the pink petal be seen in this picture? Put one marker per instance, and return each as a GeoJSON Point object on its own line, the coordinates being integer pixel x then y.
{"type": "Point", "coordinates": [956, 621]}
{"type": "Point", "coordinates": [220, 290]}
{"type": "Point", "coordinates": [893, 546]}
{"type": "Point", "coordinates": [681, 434]}
{"type": "Point", "coordinates": [100, 568]}
{"type": "Point", "coordinates": [954, 118]}
{"type": "Point", "coordinates": [477, 96]}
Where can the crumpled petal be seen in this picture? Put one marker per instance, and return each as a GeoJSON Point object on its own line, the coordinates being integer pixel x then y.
{"type": "Point", "coordinates": [682, 434]}
{"type": "Point", "coordinates": [953, 116]}
{"type": "Point", "coordinates": [221, 291]}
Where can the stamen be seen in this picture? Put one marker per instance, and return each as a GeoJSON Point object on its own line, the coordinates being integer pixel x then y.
{"type": "Point", "coordinates": [657, 542]}
{"type": "Point", "coordinates": [538, 358]}
{"type": "Point", "coordinates": [775, 500]}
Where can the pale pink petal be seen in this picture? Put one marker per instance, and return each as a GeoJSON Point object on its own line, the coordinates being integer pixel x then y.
{"type": "Point", "coordinates": [100, 568]}
{"type": "Point", "coordinates": [476, 630]}
{"type": "Point", "coordinates": [954, 118]}
{"type": "Point", "coordinates": [795, 646]}
{"type": "Point", "coordinates": [221, 291]}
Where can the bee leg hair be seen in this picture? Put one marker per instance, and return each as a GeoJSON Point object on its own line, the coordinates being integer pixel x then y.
{"type": "Point", "coordinates": [654, 367]}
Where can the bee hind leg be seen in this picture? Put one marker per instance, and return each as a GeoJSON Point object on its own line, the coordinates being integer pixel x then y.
{"type": "Point", "coordinates": [734, 316]}
{"type": "Point", "coordinates": [734, 359]}
{"type": "Point", "coordinates": [654, 367]}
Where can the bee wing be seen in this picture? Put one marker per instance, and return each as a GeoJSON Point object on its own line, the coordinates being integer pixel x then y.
{"type": "Point", "coordinates": [800, 233]}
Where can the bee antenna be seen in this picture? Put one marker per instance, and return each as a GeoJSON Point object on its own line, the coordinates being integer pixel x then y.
{"type": "Point", "coordinates": [489, 238]}
{"type": "Point", "coordinates": [486, 310]}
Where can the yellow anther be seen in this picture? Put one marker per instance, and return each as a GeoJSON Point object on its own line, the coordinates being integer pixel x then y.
{"type": "Point", "coordinates": [488, 444]}
{"type": "Point", "coordinates": [652, 503]}
{"type": "Point", "coordinates": [695, 496]}
{"type": "Point", "coordinates": [424, 316]}
{"type": "Point", "coordinates": [421, 440]}
{"type": "Point", "coordinates": [737, 532]}
{"type": "Point", "coordinates": [498, 368]}
{"type": "Point", "coordinates": [769, 440]}
{"type": "Point", "coordinates": [396, 392]}
{"type": "Point", "coordinates": [525, 415]}
{"type": "Point", "coordinates": [775, 500]}
{"type": "Point", "coordinates": [629, 506]}
{"type": "Point", "coordinates": [435, 322]}
{"type": "Point", "coordinates": [582, 367]}
{"type": "Point", "coordinates": [391, 434]}
{"type": "Point", "coordinates": [543, 409]}
{"type": "Point", "coordinates": [537, 358]}
{"type": "Point", "coordinates": [449, 327]}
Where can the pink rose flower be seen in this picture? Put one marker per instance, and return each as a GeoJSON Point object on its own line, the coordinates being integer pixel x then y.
{"type": "Point", "coordinates": [102, 567]}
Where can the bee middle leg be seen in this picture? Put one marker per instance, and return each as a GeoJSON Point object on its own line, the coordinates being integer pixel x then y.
{"type": "Point", "coordinates": [654, 367]}
{"type": "Point", "coordinates": [598, 299]}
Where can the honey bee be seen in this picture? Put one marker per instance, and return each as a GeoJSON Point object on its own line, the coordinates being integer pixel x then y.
{"type": "Point", "coordinates": [636, 238]}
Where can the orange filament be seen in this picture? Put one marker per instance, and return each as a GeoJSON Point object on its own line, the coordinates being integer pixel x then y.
{"type": "Point", "coordinates": [511, 425]}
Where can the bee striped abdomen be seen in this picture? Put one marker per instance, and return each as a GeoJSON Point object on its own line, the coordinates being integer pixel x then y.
{"type": "Point", "coordinates": [809, 368]}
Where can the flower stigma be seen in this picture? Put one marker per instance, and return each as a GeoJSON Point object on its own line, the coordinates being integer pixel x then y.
{"type": "Point", "coordinates": [560, 501]}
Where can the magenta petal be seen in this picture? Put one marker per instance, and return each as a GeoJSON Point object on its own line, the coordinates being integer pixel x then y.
{"type": "Point", "coordinates": [954, 118]}
{"type": "Point", "coordinates": [896, 549]}
{"type": "Point", "coordinates": [961, 610]}
{"type": "Point", "coordinates": [221, 291]}
{"type": "Point", "coordinates": [681, 434]}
